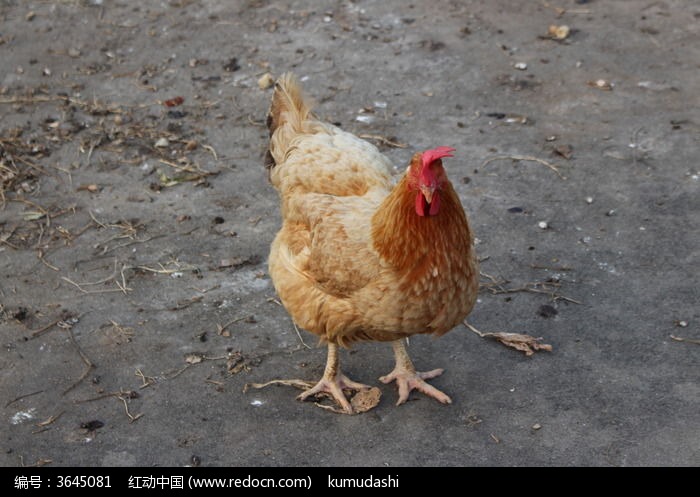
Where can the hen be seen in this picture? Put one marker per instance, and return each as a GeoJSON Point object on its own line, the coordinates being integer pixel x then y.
{"type": "Point", "coordinates": [359, 258]}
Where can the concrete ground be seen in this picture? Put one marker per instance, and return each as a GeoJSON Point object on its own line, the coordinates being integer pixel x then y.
{"type": "Point", "coordinates": [135, 303]}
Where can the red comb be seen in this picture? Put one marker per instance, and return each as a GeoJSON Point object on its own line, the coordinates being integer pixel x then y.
{"type": "Point", "coordinates": [437, 153]}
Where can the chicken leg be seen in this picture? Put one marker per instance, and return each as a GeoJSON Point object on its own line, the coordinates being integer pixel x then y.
{"type": "Point", "coordinates": [333, 382]}
{"type": "Point", "coordinates": [407, 378]}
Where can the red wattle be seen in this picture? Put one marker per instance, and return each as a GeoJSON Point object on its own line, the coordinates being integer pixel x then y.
{"type": "Point", "coordinates": [420, 209]}
{"type": "Point", "coordinates": [435, 204]}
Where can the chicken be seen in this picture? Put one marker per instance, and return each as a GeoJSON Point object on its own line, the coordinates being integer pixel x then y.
{"type": "Point", "coordinates": [359, 258]}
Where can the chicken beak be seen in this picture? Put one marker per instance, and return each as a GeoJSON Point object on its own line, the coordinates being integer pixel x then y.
{"type": "Point", "coordinates": [427, 192]}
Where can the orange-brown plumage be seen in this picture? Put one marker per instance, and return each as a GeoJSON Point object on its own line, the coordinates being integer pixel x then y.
{"type": "Point", "coordinates": [357, 257]}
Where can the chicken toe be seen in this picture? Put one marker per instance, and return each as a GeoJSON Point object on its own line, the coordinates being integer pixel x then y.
{"type": "Point", "coordinates": [407, 378]}
{"type": "Point", "coordinates": [333, 382]}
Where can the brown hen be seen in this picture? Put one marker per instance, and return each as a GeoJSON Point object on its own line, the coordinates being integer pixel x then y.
{"type": "Point", "coordinates": [358, 257]}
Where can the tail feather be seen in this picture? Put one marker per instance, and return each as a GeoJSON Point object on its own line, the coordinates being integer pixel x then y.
{"type": "Point", "coordinates": [289, 111]}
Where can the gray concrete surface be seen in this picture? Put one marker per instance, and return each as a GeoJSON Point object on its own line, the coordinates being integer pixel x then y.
{"type": "Point", "coordinates": [130, 256]}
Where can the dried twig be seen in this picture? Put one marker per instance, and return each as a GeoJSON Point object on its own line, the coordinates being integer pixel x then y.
{"type": "Point", "coordinates": [43, 425]}
{"type": "Point", "coordinates": [129, 243]}
{"type": "Point", "coordinates": [220, 329]}
{"type": "Point", "coordinates": [545, 290]}
{"type": "Point", "coordinates": [386, 141]}
{"type": "Point", "coordinates": [184, 304]}
{"type": "Point", "coordinates": [211, 150]}
{"type": "Point", "coordinates": [89, 292]}
{"type": "Point", "coordinates": [40, 255]}
{"type": "Point", "coordinates": [44, 329]}
{"type": "Point", "coordinates": [205, 290]}
{"type": "Point", "coordinates": [296, 328]}
{"type": "Point", "coordinates": [180, 267]}
{"type": "Point", "coordinates": [179, 372]}
{"type": "Point", "coordinates": [524, 158]}
{"type": "Point", "coordinates": [126, 408]}
{"type": "Point", "coordinates": [146, 381]}
{"type": "Point", "coordinates": [187, 169]}
{"type": "Point", "coordinates": [6, 236]}
{"type": "Point", "coordinates": [51, 419]}
{"type": "Point", "coordinates": [496, 287]}
{"type": "Point", "coordinates": [88, 363]}
{"type": "Point", "coordinates": [299, 335]}
{"type": "Point", "coordinates": [300, 384]}
{"type": "Point", "coordinates": [259, 124]}
{"type": "Point", "coordinates": [683, 339]}
{"type": "Point", "coordinates": [119, 333]}
{"type": "Point", "coordinates": [121, 287]}
{"type": "Point", "coordinates": [98, 223]}
{"type": "Point", "coordinates": [122, 395]}
{"type": "Point", "coordinates": [39, 463]}
{"type": "Point", "coordinates": [191, 360]}
{"type": "Point", "coordinates": [128, 230]}
{"type": "Point", "coordinates": [16, 399]}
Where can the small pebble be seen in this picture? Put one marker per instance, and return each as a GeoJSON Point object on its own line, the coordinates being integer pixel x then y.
{"type": "Point", "coordinates": [559, 32]}
{"type": "Point", "coordinates": [589, 200]}
{"type": "Point", "coordinates": [536, 426]}
{"type": "Point", "coordinates": [682, 324]}
{"type": "Point", "coordinates": [266, 81]}
{"type": "Point", "coordinates": [520, 66]}
{"type": "Point", "coordinates": [162, 143]}
{"type": "Point", "coordinates": [364, 119]}
{"type": "Point", "coordinates": [515, 119]}
{"type": "Point", "coordinates": [543, 225]}
{"type": "Point", "coordinates": [602, 84]}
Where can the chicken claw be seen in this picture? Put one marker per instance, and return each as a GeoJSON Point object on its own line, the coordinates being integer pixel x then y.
{"type": "Point", "coordinates": [407, 378]}
{"type": "Point", "coordinates": [333, 382]}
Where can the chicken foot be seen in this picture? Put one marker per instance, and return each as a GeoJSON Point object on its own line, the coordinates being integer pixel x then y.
{"type": "Point", "coordinates": [334, 381]}
{"type": "Point", "coordinates": [407, 378]}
